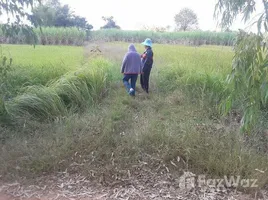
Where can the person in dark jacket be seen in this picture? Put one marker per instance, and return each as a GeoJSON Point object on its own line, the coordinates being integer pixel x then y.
{"type": "Point", "coordinates": [131, 68]}
{"type": "Point", "coordinates": [147, 62]}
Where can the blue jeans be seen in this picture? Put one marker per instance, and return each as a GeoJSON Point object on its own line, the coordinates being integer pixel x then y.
{"type": "Point", "coordinates": [133, 79]}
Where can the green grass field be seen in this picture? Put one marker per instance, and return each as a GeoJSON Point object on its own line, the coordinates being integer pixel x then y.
{"type": "Point", "coordinates": [39, 55]}
{"type": "Point", "coordinates": [69, 101]}
{"type": "Point", "coordinates": [40, 64]}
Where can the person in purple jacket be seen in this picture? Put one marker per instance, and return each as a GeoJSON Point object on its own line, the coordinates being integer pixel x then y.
{"type": "Point", "coordinates": [131, 68]}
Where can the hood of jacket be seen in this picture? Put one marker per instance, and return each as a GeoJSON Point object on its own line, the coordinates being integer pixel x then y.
{"type": "Point", "coordinates": [132, 48]}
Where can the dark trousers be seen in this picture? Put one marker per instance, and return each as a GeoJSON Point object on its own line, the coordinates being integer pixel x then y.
{"type": "Point", "coordinates": [145, 79]}
{"type": "Point", "coordinates": [133, 79]}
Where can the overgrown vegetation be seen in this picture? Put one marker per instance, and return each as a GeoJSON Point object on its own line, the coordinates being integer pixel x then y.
{"type": "Point", "coordinates": [17, 14]}
{"type": "Point", "coordinates": [187, 38]}
{"type": "Point", "coordinates": [50, 89]}
{"type": "Point", "coordinates": [73, 92]}
{"type": "Point", "coordinates": [49, 36]}
{"type": "Point", "coordinates": [74, 36]}
{"type": "Point", "coordinates": [57, 127]}
{"type": "Point", "coordinates": [5, 68]}
{"type": "Point", "coordinates": [248, 79]}
{"type": "Point", "coordinates": [39, 65]}
{"type": "Point", "coordinates": [63, 121]}
{"type": "Point", "coordinates": [52, 14]}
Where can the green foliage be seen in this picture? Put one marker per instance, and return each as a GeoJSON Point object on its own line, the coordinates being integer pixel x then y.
{"type": "Point", "coordinates": [41, 58]}
{"type": "Point", "coordinates": [17, 8]}
{"type": "Point", "coordinates": [40, 65]}
{"type": "Point", "coordinates": [186, 19]}
{"type": "Point", "coordinates": [200, 72]}
{"type": "Point", "coordinates": [228, 10]}
{"type": "Point", "coordinates": [74, 36]}
{"type": "Point", "coordinates": [169, 130]}
{"type": "Point", "coordinates": [52, 13]}
{"type": "Point", "coordinates": [163, 126]}
{"type": "Point", "coordinates": [61, 36]}
{"type": "Point", "coordinates": [46, 14]}
{"type": "Point", "coordinates": [73, 92]}
{"type": "Point", "coordinates": [5, 68]}
{"type": "Point", "coordinates": [38, 102]}
{"type": "Point", "coordinates": [50, 36]}
{"type": "Point", "coordinates": [248, 79]}
{"type": "Point", "coordinates": [186, 38]}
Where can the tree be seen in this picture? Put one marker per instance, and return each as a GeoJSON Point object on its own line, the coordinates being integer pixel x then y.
{"type": "Point", "coordinates": [47, 14]}
{"type": "Point", "coordinates": [63, 17]}
{"type": "Point", "coordinates": [248, 80]}
{"type": "Point", "coordinates": [14, 25]}
{"type": "Point", "coordinates": [186, 19]}
{"type": "Point", "coordinates": [110, 23]}
{"type": "Point", "coordinates": [52, 13]}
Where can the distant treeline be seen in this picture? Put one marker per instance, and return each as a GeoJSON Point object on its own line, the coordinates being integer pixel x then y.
{"type": "Point", "coordinates": [75, 36]}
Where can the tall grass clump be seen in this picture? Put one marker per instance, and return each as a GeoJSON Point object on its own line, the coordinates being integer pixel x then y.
{"type": "Point", "coordinates": [39, 65]}
{"type": "Point", "coordinates": [84, 87]}
{"type": "Point", "coordinates": [73, 92]}
{"type": "Point", "coordinates": [187, 38]}
{"type": "Point", "coordinates": [5, 68]}
{"type": "Point", "coordinates": [38, 102]}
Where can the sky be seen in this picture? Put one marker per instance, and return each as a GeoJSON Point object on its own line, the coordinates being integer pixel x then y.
{"type": "Point", "coordinates": [134, 14]}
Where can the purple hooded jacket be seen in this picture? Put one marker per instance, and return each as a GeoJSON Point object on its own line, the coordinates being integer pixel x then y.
{"type": "Point", "coordinates": [132, 62]}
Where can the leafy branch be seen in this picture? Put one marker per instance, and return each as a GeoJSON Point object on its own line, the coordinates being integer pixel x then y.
{"type": "Point", "coordinates": [248, 80]}
{"type": "Point", "coordinates": [17, 9]}
{"type": "Point", "coordinates": [14, 26]}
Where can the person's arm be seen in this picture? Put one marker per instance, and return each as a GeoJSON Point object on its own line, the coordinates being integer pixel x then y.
{"type": "Point", "coordinates": [124, 64]}
{"type": "Point", "coordinates": [141, 67]}
{"type": "Point", "coordinates": [148, 58]}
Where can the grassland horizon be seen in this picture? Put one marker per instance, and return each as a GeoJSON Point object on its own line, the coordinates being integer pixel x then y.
{"type": "Point", "coordinates": [77, 37]}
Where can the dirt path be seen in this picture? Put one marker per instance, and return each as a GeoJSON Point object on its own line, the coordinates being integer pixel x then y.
{"type": "Point", "coordinates": [127, 193]}
{"type": "Point", "coordinates": [64, 186]}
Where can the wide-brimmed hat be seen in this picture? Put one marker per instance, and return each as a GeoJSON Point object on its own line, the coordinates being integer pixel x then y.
{"type": "Point", "coordinates": [148, 42]}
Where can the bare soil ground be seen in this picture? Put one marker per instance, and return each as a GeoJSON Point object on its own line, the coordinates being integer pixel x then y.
{"type": "Point", "coordinates": [75, 187]}
{"type": "Point", "coordinates": [141, 182]}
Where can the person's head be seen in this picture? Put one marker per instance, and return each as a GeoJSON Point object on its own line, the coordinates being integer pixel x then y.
{"type": "Point", "coordinates": [148, 43]}
{"type": "Point", "coordinates": [131, 47]}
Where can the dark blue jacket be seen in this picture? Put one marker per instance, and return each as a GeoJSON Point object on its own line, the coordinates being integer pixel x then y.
{"type": "Point", "coordinates": [147, 58]}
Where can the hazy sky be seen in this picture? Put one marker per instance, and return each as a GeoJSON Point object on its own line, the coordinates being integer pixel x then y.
{"type": "Point", "coordinates": [133, 14]}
